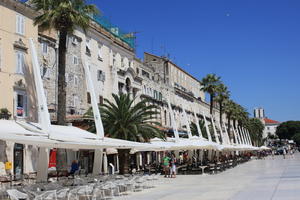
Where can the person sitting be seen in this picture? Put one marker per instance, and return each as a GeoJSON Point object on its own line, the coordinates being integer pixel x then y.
{"type": "Point", "coordinates": [74, 167]}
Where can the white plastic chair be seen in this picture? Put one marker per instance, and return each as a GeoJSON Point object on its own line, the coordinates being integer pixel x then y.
{"type": "Point", "coordinates": [48, 195]}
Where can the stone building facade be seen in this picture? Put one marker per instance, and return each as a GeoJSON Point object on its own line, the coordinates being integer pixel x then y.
{"type": "Point", "coordinates": [17, 85]}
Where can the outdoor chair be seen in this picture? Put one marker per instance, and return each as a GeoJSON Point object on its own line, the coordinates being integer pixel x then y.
{"type": "Point", "coordinates": [212, 168]}
{"type": "Point", "coordinates": [47, 195]}
{"type": "Point", "coordinates": [98, 193]}
{"type": "Point", "coordinates": [62, 194]}
{"type": "Point", "coordinates": [17, 195]}
{"type": "Point", "coordinates": [111, 190]}
{"type": "Point", "coordinates": [77, 192]}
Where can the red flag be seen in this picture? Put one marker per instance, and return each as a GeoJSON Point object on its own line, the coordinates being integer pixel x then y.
{"type": "Point", "coordinates": [52, 159]}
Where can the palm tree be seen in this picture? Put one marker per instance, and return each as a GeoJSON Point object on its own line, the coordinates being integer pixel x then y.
{"type": "Point", "coordinates": [125, 120]}
{"type": "Point", "coordinates": [230, 108]}
{"type": "Point", "coordinates": [210, 83]}
{"type": "Point", "coordinates": [256, 127]}
{"type": "Point", "coordinates": [222, 95]}
{"type": "Point", "coordinates": [63, 16]}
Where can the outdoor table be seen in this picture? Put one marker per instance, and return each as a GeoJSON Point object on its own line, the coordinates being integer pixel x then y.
{"type": "Point", "coordinates": [202, 168]}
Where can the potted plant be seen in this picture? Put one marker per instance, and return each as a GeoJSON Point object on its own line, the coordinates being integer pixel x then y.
{"type": "Point", "coordinates": [4, 113]}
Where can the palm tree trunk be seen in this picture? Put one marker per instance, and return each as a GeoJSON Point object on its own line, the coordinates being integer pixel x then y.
{"type": "Point", "coordinates": [61, 97]}
{"type": "Point", "coordinates": [124, 160]}
{"type": "Point", "coordinates": [61, 159]}
{"type": "Point", "coordinates": [221, 111]}
{"type": "Point", "coordinates": [211, 103]}
{"type": "Point", "coordinates": [229, 128]}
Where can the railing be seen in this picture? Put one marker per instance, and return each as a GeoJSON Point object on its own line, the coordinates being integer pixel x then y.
{"type": "Point", "coordinates": [126, 37]}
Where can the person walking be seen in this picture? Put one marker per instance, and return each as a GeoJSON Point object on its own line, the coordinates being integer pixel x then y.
{"type": "Point", "coordinates": [284, 153]}
{"type": "Point", "coordinates": [166, 165]}
{"type": "Point", "coordinates": [173, 166]}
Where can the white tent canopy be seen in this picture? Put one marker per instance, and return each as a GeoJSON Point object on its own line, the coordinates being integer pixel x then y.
{"type": "Point", "coordinates": [67, 137]}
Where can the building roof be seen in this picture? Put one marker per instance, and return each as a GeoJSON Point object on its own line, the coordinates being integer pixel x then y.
{"type": "Point", "coordinates": [181, 69]}
{"type": "Point", "coordinates": [270, 121]}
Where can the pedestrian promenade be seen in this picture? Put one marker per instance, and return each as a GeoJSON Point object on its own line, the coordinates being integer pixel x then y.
{"type": "Point", "coordinates": [269, 179]}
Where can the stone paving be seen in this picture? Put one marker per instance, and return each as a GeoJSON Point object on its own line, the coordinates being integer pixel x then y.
{"type": "Point", "coordinates": [268, 179]}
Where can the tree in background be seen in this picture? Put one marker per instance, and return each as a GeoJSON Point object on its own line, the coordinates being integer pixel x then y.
{"type": "Point", "coordinates": [122, 119]}
{"type": "Point", "coordinates": [287, 130]}
{"type": "Point", "coordinates": [63, 16]}
{"type": "Point", "coordinates": [256, 128]}
{"type": "Point", "coordinates": [210, 83]}
{"type": "Point", "coordinates": [296, 138]}
{"type": "Point", "coordinates": [230, 110]}
{"type": "Point", "coordinates": [222, 95]}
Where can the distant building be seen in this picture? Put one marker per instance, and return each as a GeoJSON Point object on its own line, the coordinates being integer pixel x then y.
{"type": "Point", "coordinates": [270, 125]}
{"type": "Point", "coordinates": [259, 113]}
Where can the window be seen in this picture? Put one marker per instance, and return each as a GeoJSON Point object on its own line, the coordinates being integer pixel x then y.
{"type": "Point", "coordinates": [165, 117]}
{"type": "Point", "coordinates": [74, 40]}
{"type": "Point", "coordinates": [88, 97]}
{"type": "Point", "coordinates": [19, 62]}
{"type": "Point", "coordinates": [20, 103]}
{"type": "Point", "coordinates": [45, 47]}
{"type": "Point", "coordinates": [99, 52]}
{"type": "Point", "coordinates": [144, 73]}
{"type": "Point", "coordinates": [66, 77]}
{"type": "Point", "coordinates": [114, 59]}
{"type": "Point", "coordinates": [122, 62]}
{"type": "Point", "coordinates": [137, 71]}
{"type": "Point", "coordinates": [101, 100]}
{"type": "Point", "coordinates": [75, 60]}
{"type": "Point", "coordinates": [160, 96]}
{"type": "Point", "coordinates": [75, 101]}
{"type": "Point", "coordinates": [20, 24]}
{"type": "Point", "coordinates": [88, 46]}
{"type": "Point", "coordinates": [100, 75]}
{"type": "Point", "coordinates": [45, 72]}
{"type": "Point", "coordinates": [155, 94]}
{"type": "Point", "coordinates": [75, 80]}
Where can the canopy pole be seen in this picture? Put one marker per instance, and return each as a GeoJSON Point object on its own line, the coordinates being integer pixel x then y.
{"type": "Point", "coordinates": [245, 136]}
{"type": "Point", "coordinates": [214, 128]}
{"type": "Point", "coordinates": [248, 135]}
{"type": "Point", "coordinates": [235, 136]}
{"type": "Point", "coordinates": [226, 132]}
{"type": "Point", "coordinates": [186, 122]}
{"type": "Point", "coordinates": [206, 127]}
{"type": "Point", "coordinates": [98, 161]}
{"type": "Point", "coordinates": [42, 165]}
{"type": "Point", "coordinates": [43, 113]}
{"type": "Point", "coordinates": [221, 132]}
{"type": "Point", "coordinates": [173, 122]}
{"type": "Point", "coordinates": [105, 163]}
{"type": "Point", "coordinates": [241, 134]}
{"type": "Point", "coordinates": [197, 125]}
{"type": "Point", "coordinates": [96, 112]}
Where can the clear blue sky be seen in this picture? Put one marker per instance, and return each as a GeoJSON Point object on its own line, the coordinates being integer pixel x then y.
{"type": "Point", "coordinates": [254, 45]}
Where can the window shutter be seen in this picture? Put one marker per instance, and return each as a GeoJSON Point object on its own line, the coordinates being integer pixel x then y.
{"type": "Point", "coordinates": [23, 25]}
{"type": "Point", "coordinates": [19, 63]}
{"type": "Point", "coordinates": [17, 23]}
{"type": "Point", "coordinates": [22, 63]}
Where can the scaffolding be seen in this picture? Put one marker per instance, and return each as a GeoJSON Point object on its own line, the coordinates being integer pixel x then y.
{"type": "Point", "coordinates": [128, 38]}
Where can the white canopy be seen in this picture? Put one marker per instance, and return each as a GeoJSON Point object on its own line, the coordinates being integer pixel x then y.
{"type": "Point", "coordinates": [67, 137]}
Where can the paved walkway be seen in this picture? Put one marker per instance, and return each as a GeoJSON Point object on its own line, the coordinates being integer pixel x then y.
{"type": "Point", "coordinates": [268, 179]}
